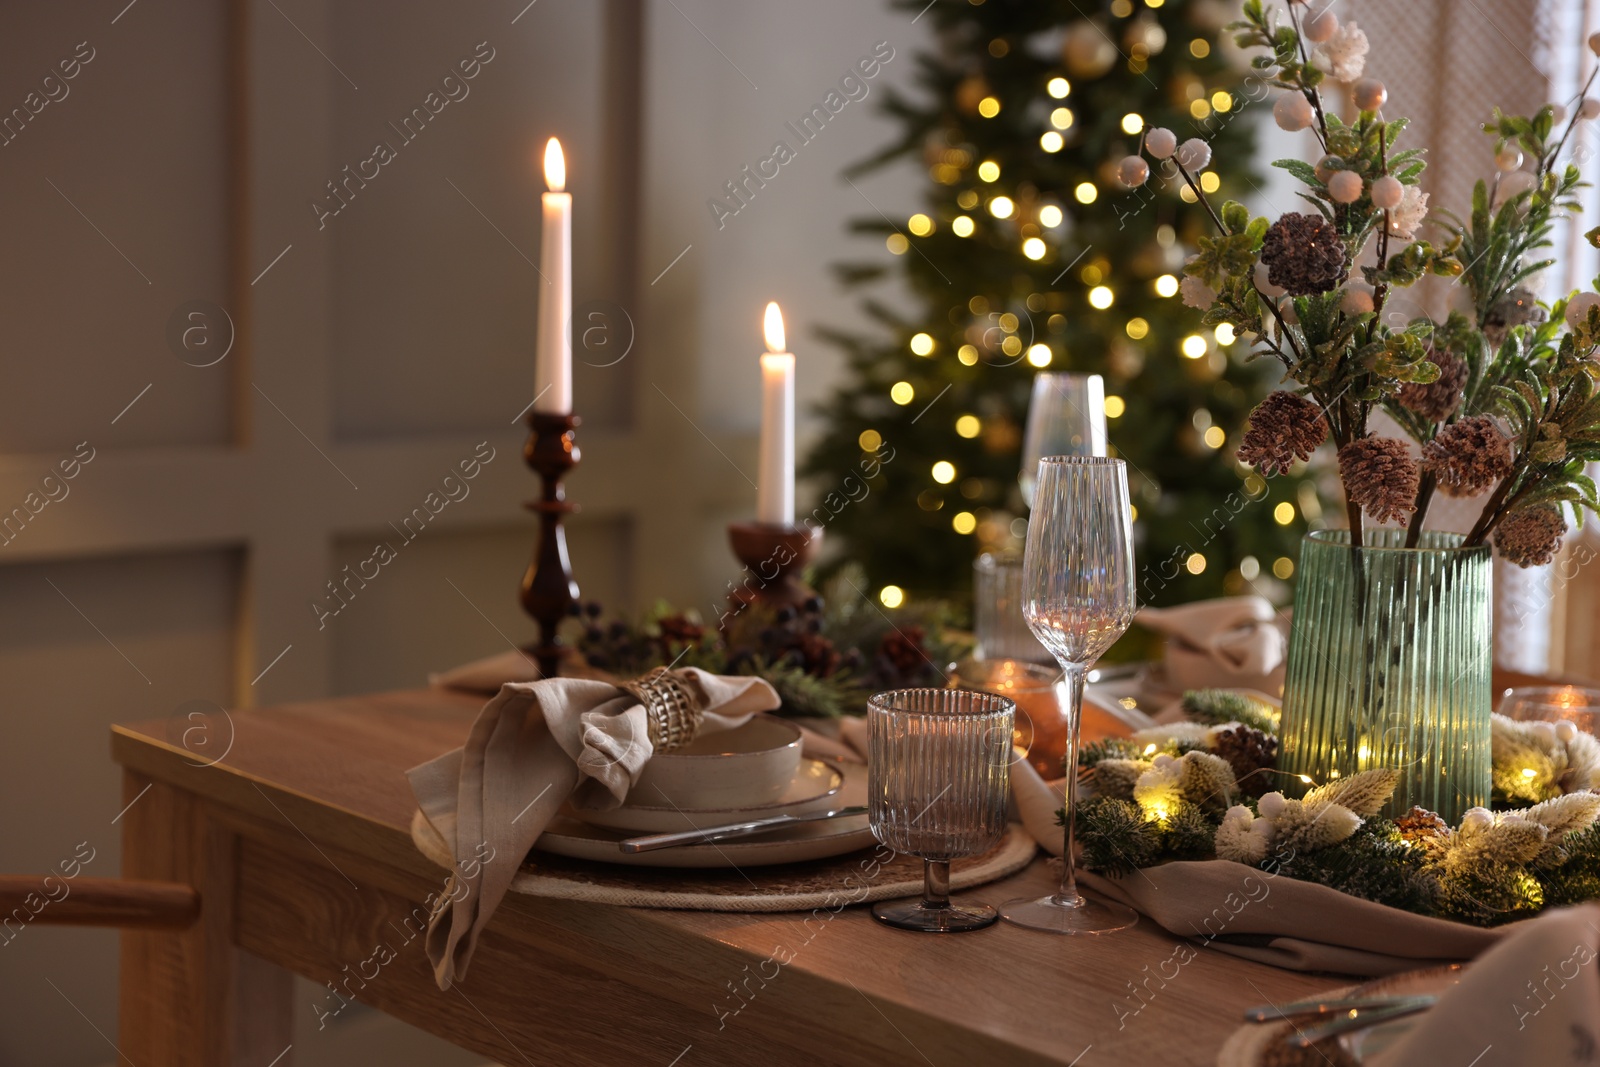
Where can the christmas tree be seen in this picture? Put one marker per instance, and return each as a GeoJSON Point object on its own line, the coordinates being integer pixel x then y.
{"type": "Point", "coordinates": [1031, 253]}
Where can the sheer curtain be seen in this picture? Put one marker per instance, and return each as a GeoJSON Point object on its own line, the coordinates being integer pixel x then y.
{"type": "Point", "coordinates": [1447, 65]}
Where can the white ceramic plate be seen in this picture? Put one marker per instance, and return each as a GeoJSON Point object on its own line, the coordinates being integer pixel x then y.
{"type": "Point", "coordinates": [813, 788]}
{"type": "Point", "coordinates": [792, 844]}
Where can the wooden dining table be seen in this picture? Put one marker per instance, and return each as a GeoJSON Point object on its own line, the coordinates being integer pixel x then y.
{"type": "Point", "coordinates": [292, 822]}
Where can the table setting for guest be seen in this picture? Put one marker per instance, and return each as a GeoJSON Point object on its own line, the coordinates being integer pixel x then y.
{"type": "Point", "coordinates": [1135, 647]}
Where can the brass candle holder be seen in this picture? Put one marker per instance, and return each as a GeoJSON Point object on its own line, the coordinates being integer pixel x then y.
{"type": "Point", "coordinates": [774, 556]}
{"type": "Point", "coordinates": [548, 588]}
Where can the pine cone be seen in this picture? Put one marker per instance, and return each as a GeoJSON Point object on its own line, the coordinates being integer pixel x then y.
{"type": "Point", "coordinates": [1379, 476]}
{"type": "Point", "coordinates": [1437, 400]}
{"type": "Point", "coordinates": [1304, 254]}
{"type": "Point", "coordinates": [1529, 537]}
{"type": "Point", "coordinates": [1247, 751]}
{"type": "Point", "coordinates": [1468, 456]}
{"type": "Point", "coordinates": [1282, 428]}
{"type": "Point", "coordinates": [680, 629]}
{"type": "Point", "coordinates": [818, 656]}
{"type": "Point", "coordinates": [1420, 824]}
{"type": "Point", "coordinates": [903, 648]}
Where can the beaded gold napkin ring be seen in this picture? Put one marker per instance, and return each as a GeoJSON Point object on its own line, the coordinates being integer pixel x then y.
{"type": "Point", "coordinates": [669, 706]}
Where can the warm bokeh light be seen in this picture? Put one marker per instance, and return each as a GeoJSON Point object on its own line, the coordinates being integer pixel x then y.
{"type": "Point", "coordinates": [1051, 141]}
{"type": "Point", "coordinates": [1033, 248]}
{"type": "Point", "coordinates": [922, 344]}
{"type": "Point", "coordinates": [1199, 109]}
{"type": "Point", "coordinates": [870, 440]}
{"type": "Point", "coordinates": [1194, 346]}
{"type": "Point", "coordinates": [1199, 48]}
{"type": "Point", "coordinates": [891, 596]}
{"type": "Point", "coordinates": [967, 355]}
{"type": "Point", "coordinates": [1058, 87]}
{"type": "Point", "coordinates": [555, 166]}
{"type": "Point", "coordinates": [1222, 100]}
{"type": "Point", "coordinates": [944, 472]}
{"type": "Point", "coordinates": [989, 107]}
{"type": "Point", "coordinates": [1283, 567]}
{"type": "Point", "coordinates": [920, 224]}
{"type": "Point", "coordinates": [1061, 118]}
{"type": "Point", "coordinates": [1050, 216]}
{"type": "Point", "coordinates": [1209, 182]}
{"type": "Point", "coordinates": [898, 244]}
{"type": "Point", "coordinates": [1214, 437]}
{"type": "Point", "coordinates": [1085, 193]}
{"type": "Point", "coordinates": [1101, 297]}
{"type": "Point", "coordinates": [1137, 328]}
{"type": "Point", "coordinates": [964, 522]}
{"type": "Point", "coordinates": [1039, 355]}
{"type": "Point", "coordinates": [1225, 334]}
{"type": "Point", "coordinates": [1283, 513]}
{"type": "Point", "coordinates": [1249, 568]}
{"type": "Point", "coordinates": [1132, 122]}
{"type": "Point", "coordinates": [1115, 406]}
{"type": "Point", "coordinates": [961, 226]}
{"type": "Point", "coordinates": [988, 170]}
{"type": "Point", "coordinates": [1195, 564]}
{"type": "Point", "coordinates": [968, 426]}
{"type": "Point", "coordinates": [1166, 285]}
{"type": "Point", "coordinates": [772, 328]}
{"type": "Point", "coordinates": [902, 393]}
{"type": "Point", "coordinates": [1001, 207]}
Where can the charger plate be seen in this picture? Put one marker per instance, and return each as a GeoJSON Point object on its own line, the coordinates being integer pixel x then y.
{"type": "Point", "coordinates": [862, 875]}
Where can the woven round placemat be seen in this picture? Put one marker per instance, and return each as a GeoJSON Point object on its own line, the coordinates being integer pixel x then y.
{"type": "Point", "coordinates": [855, 878]}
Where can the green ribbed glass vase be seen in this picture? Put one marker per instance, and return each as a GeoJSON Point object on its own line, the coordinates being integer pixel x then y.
{"type": "Point", "coordinates": [1389, 658]}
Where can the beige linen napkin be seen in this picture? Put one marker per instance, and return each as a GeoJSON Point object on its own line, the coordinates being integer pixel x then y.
{"type": "Point", "coordinates": [1212, 644]}
{"type": "Point", "coordinates": [1288, 923]}
{"type": "Point", "coordinates": [1533, 998]}
{"type": "Point", "coordinates": [532, 747]}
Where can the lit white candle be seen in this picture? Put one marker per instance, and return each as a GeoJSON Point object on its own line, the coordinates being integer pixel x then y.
{"type": "Point", "coordinates": [775, 491]}
{"type": "Point", "coordinates": [553, 356]}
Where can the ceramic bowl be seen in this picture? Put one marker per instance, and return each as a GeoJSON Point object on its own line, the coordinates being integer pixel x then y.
{"type": "Point", "coordinates": [743, 767]}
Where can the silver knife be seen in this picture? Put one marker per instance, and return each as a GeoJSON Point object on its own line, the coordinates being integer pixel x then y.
{"type": "Point", "coordinates": [651, 842]}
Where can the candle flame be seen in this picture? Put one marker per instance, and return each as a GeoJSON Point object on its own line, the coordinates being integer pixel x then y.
{"type": "Point", "coordinates": [555, 166]}
{"type": "Point", "coordinates": [772, 326]}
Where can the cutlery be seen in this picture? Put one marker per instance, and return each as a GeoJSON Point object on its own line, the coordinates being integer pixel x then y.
{"type": "Point", "coordinates": [651, 842]}
{"type": "Point", "coordinates": [1267, 1013]}
{"type": "Point", "coordinates": [1359, 1019]}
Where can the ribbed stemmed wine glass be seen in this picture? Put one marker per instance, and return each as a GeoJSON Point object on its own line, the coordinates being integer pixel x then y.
{"type": "Point", "coordinates": [938, 768]}
{"type": "Point", "coordinates": [1078, 598]}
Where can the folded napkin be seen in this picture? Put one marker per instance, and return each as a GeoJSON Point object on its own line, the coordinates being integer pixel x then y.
{"type": "Point", "coordinates": [1213, 644]}
{"type": "Point", "coordinates": [534, 746]}
{"type": "Point", "coordinates": [1300, 926]}
{"type": "Point", "coordinates": [1533, 998]}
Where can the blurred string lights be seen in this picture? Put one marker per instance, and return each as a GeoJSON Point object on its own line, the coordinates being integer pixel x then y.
{"type": "Point", "coordinates": [998, 202]}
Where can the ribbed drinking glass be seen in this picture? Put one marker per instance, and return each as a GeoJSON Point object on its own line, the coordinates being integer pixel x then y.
{"type": "Point", "coordinates": [938, 768]}
{"type": "Point", "coordinates": [1078, 598]}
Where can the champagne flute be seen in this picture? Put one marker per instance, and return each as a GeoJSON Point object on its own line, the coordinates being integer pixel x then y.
{"type": "Point", "coordinates": [1066, 417]}
{"type": "Point", "coordinates": [1078, 598]}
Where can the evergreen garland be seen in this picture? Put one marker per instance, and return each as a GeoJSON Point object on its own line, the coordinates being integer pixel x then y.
{"type": "Point", "coordinates": [1154, 803]}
